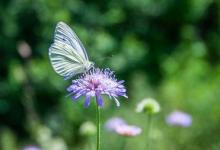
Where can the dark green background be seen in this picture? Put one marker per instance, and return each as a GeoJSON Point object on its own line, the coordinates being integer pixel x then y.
{"type": "Point", "coordinates": [165, 49]}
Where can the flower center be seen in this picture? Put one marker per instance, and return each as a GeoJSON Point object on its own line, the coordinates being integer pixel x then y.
{"type": "Point", "coordinates": [94, 84]}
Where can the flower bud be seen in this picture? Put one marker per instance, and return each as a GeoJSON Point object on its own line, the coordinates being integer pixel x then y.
{"type": "Point", "coordinates": [148, 105]}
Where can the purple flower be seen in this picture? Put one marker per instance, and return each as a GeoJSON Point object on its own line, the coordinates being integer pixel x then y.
{"type": "Point", "coordinates": [31, 147]}
{"type": "Point", "coordinates": [179, 118]}
{"type": "Point", "coordinates": [95, 83]}
{"type": "Point", "coordinates": [128, 130]}
{"type": "Point", "coordinates": [113, 123]}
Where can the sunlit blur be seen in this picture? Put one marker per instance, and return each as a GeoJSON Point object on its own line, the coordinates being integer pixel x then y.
{"type": "Point", "coordinates": [166, 49]}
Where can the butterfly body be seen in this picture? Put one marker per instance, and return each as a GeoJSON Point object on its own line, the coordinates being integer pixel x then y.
{"type": "Point", "coordinates": [67, 54]}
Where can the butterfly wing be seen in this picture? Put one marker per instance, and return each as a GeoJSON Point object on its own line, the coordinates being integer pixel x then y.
{"type": "Point", "coordinates": [64, 33]}
{"type": "Point", "coordinates": [67, 54]}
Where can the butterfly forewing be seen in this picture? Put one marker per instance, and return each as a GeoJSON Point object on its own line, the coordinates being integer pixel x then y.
{"type": "Point", "coordinates": [67, 54]}
{"type": "Point", "coordinates": [65, 34]}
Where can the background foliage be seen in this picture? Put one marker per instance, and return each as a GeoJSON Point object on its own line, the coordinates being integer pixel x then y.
{"type": "Point", "coordinates": [166, 49]}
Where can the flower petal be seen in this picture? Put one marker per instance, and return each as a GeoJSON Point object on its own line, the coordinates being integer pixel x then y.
{"type": "Point", "coordinates": [117, 102]}
{"type": "Point", "coordinates": [99, 100]}
{"type": "Point", "coordinates": [74, 98]}
{"type": "Point", "coordinates": [87, 101]}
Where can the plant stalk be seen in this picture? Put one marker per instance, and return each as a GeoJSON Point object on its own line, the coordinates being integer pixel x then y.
{"type": "Point", "coordinates": [149, 124]}
{"type": "Point", "coordinates": [98, 125]}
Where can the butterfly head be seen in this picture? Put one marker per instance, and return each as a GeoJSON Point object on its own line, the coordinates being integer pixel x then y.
{"type": "Point", "coordinates": [88, 65]}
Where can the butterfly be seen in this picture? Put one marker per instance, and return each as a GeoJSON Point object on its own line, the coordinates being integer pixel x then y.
{"type": "Point", "coordinates": [67, 54]}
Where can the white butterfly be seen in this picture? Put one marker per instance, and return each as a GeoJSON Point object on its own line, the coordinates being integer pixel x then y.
{"type": "Point", "coordinates": [67, 54]}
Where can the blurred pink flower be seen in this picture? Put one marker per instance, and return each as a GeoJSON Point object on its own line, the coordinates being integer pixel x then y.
{"type": "Point", "coordinates": [128, 130]}
{"type": "Point", "coordinates": [119, 126]}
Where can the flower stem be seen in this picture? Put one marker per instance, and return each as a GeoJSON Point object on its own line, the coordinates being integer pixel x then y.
{"type": "Point", "coordinates": [123, 143]}
{"type": "Point", "coordinates": [149, 124]}
{"type": "Point", "coordinates": [98, 124]}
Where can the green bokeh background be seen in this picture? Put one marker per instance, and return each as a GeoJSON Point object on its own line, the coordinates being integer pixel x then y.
{"type": "Point", "coordinates": [165, 49]}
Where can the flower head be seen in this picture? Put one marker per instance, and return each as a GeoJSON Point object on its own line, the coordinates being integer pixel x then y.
{"type": "Point", "coordinates": [95, 83]}
{"type": "Point", "coordinates": [113, 123]}
{"type": "Point", "coordinates": [87, 129]}
{"type": "Point", "coordinates": [128, 130]}
{"type": "Point", "coordinates": [179, 118]}
{"type": "Point", "coordinates": [148, 105]}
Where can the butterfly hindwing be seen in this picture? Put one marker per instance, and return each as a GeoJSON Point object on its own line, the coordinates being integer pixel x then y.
{"type": "Point", "coordinates": [64, 61]}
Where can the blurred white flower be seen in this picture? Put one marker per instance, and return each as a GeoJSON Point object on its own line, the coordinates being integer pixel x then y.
{"type": "Point", "coordinates": [148, 105]}
{"type": "Point", "coordinates": [44, 134]}
{"type": "Point", "coordinates": [87, 129]}
{"type": "Point", "coordinates": [56, 144]}
{"type": "Point", "coordinates": [47, 141]}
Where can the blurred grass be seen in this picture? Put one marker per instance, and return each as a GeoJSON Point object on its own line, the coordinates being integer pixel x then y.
{"type": "Point", "coordinates": [164, 49]}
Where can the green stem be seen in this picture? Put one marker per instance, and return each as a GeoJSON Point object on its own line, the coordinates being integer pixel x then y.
{"type": "Point", "coordinates": [98, 125]}
{"type": "Point", "coordinates": [149, 124]}
{"type": "Point", "coordinates": [123, 143]}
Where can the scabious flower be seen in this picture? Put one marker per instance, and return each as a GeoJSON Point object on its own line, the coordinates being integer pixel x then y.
{"type": "Point", "coordinates": [95, 83]}
{"type": "Point", "coordinates": [128, 130]}
{"type": "Point", "coordinates": [87, 129]}
{"type": "Point", "coordinates": [179, 118]}
{"type": "Point", "coordinates": [113, 123]}
{"type": "Point", "coordinates": [148, 105]}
